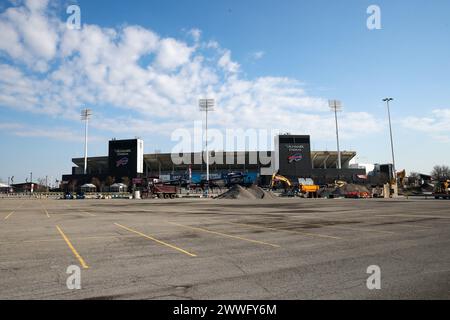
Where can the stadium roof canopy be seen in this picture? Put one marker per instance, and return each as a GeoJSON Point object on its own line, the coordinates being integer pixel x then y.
{"type": "Point", "coordinates": [163, 161]}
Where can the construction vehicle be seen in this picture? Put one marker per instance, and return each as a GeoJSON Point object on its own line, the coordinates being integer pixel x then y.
{"type": "Point", "coordinates": [289, 189]}
{"type": "Point", "coordinates": [276, 178]}
{"type": "Point", "coordinates": [401, 177]}
{"type": "Point", "coordinates": [161, 190]}
{"type": "Point", "coordinates": [351, 191]}
{"type": "Point", "coordinates": [305, 187]}
{"type": "Point", "coordinates": [442, 190]}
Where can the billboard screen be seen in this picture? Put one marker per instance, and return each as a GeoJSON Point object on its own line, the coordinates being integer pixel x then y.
{"type": "Point", "coordinates": [125, 158]}
{"type": "Point", "coordinates": [293, 155]}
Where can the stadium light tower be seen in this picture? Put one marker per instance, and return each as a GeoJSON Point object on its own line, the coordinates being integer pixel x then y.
{"type": "Point", "coordinates": [387, 100]}
{"type": "Point", "coordinates": [206, 105]}
{"type": "Point", "coordinates": [336, 106]}
{"type": "Point", "coordinates": [85, 115]}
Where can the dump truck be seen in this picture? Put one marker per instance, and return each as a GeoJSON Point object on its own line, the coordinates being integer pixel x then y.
{"type": "Point", "coordinates": [157, 188]}
{"type": "Point", "coordinates": [307, 187]}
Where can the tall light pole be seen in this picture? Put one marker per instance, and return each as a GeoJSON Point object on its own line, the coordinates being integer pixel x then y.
{"type": "Point", "coordinates": [387, 100]}
{"type": "Point", "coordinates": [206, 105]}
{"type": "Point", "coordinates": [336, 106]}
{"type": "Point", "coordinates": [85, 115]}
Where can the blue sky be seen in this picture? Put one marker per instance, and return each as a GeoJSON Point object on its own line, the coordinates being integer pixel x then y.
{"type": "Point", "coordinates": [141, 66]}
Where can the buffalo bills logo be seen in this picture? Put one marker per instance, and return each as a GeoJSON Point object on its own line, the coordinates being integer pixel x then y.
{"type": "Point", "coordinates": [295, 157]}
{"type": "Point", "coordinates": [122, 162]}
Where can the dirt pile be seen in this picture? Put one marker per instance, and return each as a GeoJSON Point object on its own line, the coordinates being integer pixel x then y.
{"type": "Point", "coordinates": [239, 192]}
{"type": "Point", "coordinates": [342, 191]}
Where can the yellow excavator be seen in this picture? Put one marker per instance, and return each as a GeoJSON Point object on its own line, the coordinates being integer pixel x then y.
{"type": "Point", "coordinates": [279, 178]}
{"type": "Point", "coordinates": [305, 187]}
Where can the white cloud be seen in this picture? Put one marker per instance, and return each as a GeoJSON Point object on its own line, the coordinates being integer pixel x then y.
{"type": "Point", "coordinates": [54, 133]}
{"type": "Point", "coordinates": [29, 35]}
{"type": "Point", "coordinates": [436, 125]}
{"type": "Point", "coordinates": [195, 34]}
{"type": "Point", "coordinates": [227, 64]}
{"type": "Point", "coordinates": [257, 55]}
{"type": "Point", "coordinates": [137, 81]}
{"type": "Point", "coordinates": [172, 54]}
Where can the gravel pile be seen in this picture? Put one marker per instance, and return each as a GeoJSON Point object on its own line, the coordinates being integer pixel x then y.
{"type": "Point", "coordinates": [239, 192]}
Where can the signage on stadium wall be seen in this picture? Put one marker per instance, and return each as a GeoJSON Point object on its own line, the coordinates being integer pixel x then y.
{"type": "Point", "coordinates": [293, 155]}
{"type": "Point", "coordinates": [126, 158]}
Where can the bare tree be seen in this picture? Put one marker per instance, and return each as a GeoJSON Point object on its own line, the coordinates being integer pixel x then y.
{"type": "Point", "coordinates": [126, 181]}
{"type": "Point", "coordinates": [96, 182]}
{"type": "Point", "coordinates": [414, 175]}
{"type": "Point", "coordinates": [109, 180]}
{"type": "Point", "coordinates": [72, 185]}
{"type": "Point", "coordinates": [41, 185]}
{"type": "Point", "coordinates": [440, 172]}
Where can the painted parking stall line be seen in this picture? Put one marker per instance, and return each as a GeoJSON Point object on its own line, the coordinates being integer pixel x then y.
{"type": "Point", "coordinates": [72, 248]}
{"type": "Point", "coordinates": [12, 212]}
{"type": "Point", "coordinates": [156, 240]}
{"type": "Point", "coordinates": [225, 235]}
{"type": "Point", "coordinates": [249, 225]}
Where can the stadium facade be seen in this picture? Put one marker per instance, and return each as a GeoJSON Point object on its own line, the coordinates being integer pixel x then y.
{"type": "Point", "coordinates": [292, 158]}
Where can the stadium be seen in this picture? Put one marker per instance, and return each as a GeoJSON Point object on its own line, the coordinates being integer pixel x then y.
{"type": "Point", "coordinates": [292, 157]}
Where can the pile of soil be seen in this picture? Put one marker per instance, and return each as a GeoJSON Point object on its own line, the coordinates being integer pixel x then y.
{"type": "Point", "coordinates": [239, 192]}
{"type": "Point", "coordinates": [342, 191]}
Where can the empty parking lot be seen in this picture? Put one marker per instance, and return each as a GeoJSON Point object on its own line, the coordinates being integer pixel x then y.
{"type": "Point", "coordinates": [224, 249]}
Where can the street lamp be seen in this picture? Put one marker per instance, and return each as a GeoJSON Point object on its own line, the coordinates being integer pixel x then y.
{"type": "Point", "coordinates": [387, 100]}
{"type": "Point", "coordinates": [336, 105]}
{"type": "Point", "coordinates": [85, 115]}
{"type": "Point", "coordinates": [206, 105]}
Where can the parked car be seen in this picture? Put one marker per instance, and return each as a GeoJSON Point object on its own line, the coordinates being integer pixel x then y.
{"type": "Point", "coordinates": [80, 195]}
{"type": "Point", "coordinates": [68, 196]}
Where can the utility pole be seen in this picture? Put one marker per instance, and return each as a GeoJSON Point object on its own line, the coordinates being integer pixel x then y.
{"type": "Point", "coordinates": [336, 106]}
{"type": "Point", "coordinates": [206, 105]}
{"type": "Point", "coordinates": [85, 115]}
{"type": "Point", "coordinates": [387, 100]}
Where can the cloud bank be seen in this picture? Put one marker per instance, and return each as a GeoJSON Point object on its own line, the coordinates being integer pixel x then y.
{"type": "Point", "coordinates": [138, 82]}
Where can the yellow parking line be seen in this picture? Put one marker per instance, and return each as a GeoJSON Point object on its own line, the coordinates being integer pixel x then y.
{"type": "Point", "coordinates": [291, 231]}
{"type": "Point", "coordinates": [75, 252]}
{"type": "Point", "coordinates": [225, 235]}
{"type": "Point", "coordinates": [81, 211]}
{"type": "Point", "coordinates": [340, 227]}
{"type": "Point", "coordinates": [45, 210]}
{"type": "Point", "coordinates": [156, 240]}
{"type": "Point", "coordinates": [10, 214]}
{"type": "Point", "coordinates": [91, 214]}
{"type": "Point", "coordinates": [79, 238]}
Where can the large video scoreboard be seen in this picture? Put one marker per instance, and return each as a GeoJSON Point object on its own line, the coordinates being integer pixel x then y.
{"type": "Point", "coordinates": [126, 158]}
{"type": "Point", "coordinates": [293, 155]}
